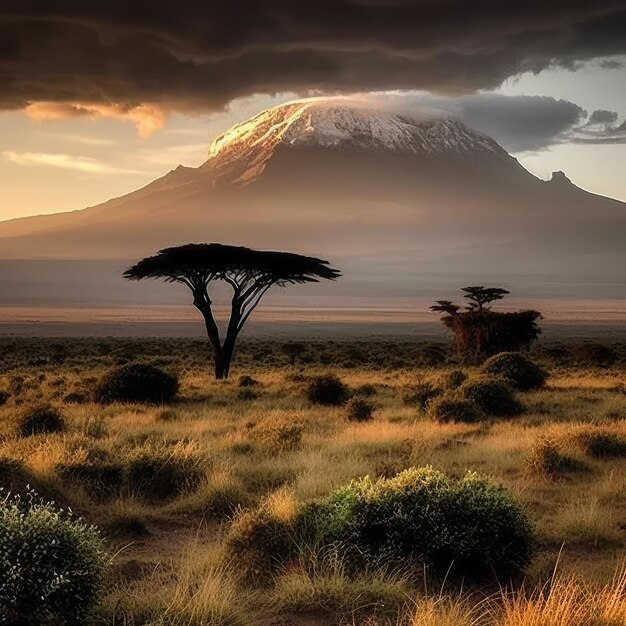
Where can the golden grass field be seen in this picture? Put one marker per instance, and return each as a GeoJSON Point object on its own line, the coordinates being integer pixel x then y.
{"type": "Point", "coordinates": [218, 452]}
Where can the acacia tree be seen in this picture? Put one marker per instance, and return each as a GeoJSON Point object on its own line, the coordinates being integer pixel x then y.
{"type": "Point", "coordinates": [250, 273]}
{"type": "Point", "coordinates": [480, 332]}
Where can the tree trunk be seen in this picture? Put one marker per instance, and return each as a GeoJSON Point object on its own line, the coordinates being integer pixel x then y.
{"type": "Point", "coordinates": [221, 372]}
{"type": "Point", "coordinates": [226, 353]}
{"type": "Point", "coordinates": [222, 353]}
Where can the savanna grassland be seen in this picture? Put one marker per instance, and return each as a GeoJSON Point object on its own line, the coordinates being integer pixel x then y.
{"type": "Point", "coordinates": [165, 483]}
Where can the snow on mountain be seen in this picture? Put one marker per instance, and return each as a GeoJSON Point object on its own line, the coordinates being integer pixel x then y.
{"type": "Point", "coordinates": [242, 152]}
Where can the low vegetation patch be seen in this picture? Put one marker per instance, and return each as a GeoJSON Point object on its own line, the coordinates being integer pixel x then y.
{"type": "Point", "coordinates": [359, 410]}
{"type": "Point", "coordinates": [519, 371]}
{"type": "Point", "coordinates": [546, 460]}
{"type": "Point", "coordinates": [454, 379]}
{"type": "Point", "coordinates": [41, 419]}
{"type": "Point", "coordinates": [328, 390]}
{"type": "Point", "coordinates": [603, 444]}
{"type": "Point", "coordinates": [51, 564]}
{"type": "Point", "coordinates": [101, 481]}
{"type": "Point", "coordinates": [422, 394]}
{"type": "Point", "coordinates": [493, 395]}
{"type": "Point", "coordinates": [137, 382]}
{"type": "Point", "coordinates": [163, 476]}
{"type": "Point", "coordinates": [466, 527]}
{"type": "Point", "coordinates": [277, 433]}
{"type": "Point", "coordinates": [449, 408]}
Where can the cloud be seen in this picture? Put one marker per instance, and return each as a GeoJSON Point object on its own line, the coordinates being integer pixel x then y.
{"type": "Point", "coordinates": [517, 123]}
{"type": "Point", "coordinates": [521, 123]}
{"type": "Point", "coordinates": [147, 118]}
{"type": "Point", "coordinates": [601, 116]}
{"type": "Point", "coordinates": [65, 161]}
{"type": "Point", "coordinates": [138, 61]}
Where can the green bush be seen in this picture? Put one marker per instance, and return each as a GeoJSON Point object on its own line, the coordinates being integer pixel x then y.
{"type": "Point", "coordinates": [51, 564]}
{"type": "Point", "coordinates": [465, 527]}
{"type": "Point", "coordinates": [519, 371]}
{"type": "Point", "coordinates": [137, 383]}
{"type": "Point", "coordinates": [328, 390]}
{"type": "Point", "coordinates": [40, 420]}
{"type": "Point", "coordinates": [451, 409]}
{"type": "Point", "coordinates": [359, 410]}
{"type": "Point", "coordinates": [493, 395]}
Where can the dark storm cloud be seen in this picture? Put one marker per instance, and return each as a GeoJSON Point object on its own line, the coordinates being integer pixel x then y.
{"type": "Point", "coordinates": [517, 123]}
{"type": "Point", "coordinates": [198, 56]}
{"type": "Point", "coordinates": [531, 123]}
{"type": "Point", "coordinates": [521, 123]}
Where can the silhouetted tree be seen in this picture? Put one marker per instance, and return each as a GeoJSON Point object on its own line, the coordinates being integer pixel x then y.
{"type": "Point", "coordinates": [250, 273]}
{"type": "Point", "coordinates": [480, 332]}
{"type": "Point", "coordinates": [480, 296]}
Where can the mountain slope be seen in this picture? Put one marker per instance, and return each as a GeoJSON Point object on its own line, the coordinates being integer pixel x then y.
{"type": "Point", "coordinates": [338, 179]}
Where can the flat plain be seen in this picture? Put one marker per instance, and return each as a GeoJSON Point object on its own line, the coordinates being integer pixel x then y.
{"type": "Point", "coordinates": [222, 448]}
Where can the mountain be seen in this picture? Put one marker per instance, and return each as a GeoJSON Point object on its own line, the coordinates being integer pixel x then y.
{"type": "Point", "coordinates": [387, 191]}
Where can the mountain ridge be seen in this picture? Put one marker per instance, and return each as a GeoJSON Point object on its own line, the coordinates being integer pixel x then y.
{"type": "Point", "coordinates": [325, 178]}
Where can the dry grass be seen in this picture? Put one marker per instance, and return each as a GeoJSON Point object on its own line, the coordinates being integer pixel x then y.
{"type": "Point", "coordinates": [279, 449]}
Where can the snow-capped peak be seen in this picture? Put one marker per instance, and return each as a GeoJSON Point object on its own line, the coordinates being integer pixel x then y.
{"type": "Point", "coordinates": [244, 150]}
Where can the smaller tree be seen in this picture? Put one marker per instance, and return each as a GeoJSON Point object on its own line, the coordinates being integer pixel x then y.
{"type": "Point", "coordinates": [250, 274]}
{"type": "Point", "coordinates": [479, 297]}
{"type": "Point", "coordinates": [480, 332]}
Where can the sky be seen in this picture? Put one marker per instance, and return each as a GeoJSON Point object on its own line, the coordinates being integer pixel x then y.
{"type": "Point", "coordinates": [97, 101]}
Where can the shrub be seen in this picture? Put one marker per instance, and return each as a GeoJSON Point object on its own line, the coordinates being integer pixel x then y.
{"type": "Point", "coordinates": [137, 383]}
{"type": "Point", "coordinates": [4, 397]}
{"type": "Point", "coordinates": [451, 409]}
{"type": "Point", "coordinates": [247, 381]}
{"type": "Point", "coordinates": [493, 395]}
{"type": "Point", "coordinates": [328, 390]}
{"type": "Point", "coordinates": [595, 354]}
{"type": "Point", "coordinates": [519, 371]}
{"type": "Point", "coordinates": [51, 564]}
{"type": "Point", "coordinates": [603, 444]}
{"type": "Point", "coordinates": [547, 460]}
{"type": "Point", "coordinates": [75, 397]}
{"type": "Point", "coordinates": [359, 410]}
{"type": "Point", "coordinates": [466, 526]}
{"type": "Point", "coordinates": [280, 434]}
{"type": "Point", "coordinates": [260, 542]}
{"type": "Point", "coordinates": [454, 379]}
{"type": "Point", "coordinates": [423, 516]}
{"type": "Point", "coordinates": [366, 390]}
{"type": "Point", "coordinates": [162, 475]}
{"type": "Point", "coordinates": [422, 395]}
{"type": "Point", "coordinates": [40, 420]}
{"type": "Point", "coordinates": [101, 481]}
{"type": "Point", "coordinates": [480, 332]}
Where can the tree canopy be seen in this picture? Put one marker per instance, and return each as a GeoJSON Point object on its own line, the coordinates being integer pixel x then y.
{"type": "Point", "coordinates": [480, 332]}
{"type": "Point", "coordinates": [249, 272]}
